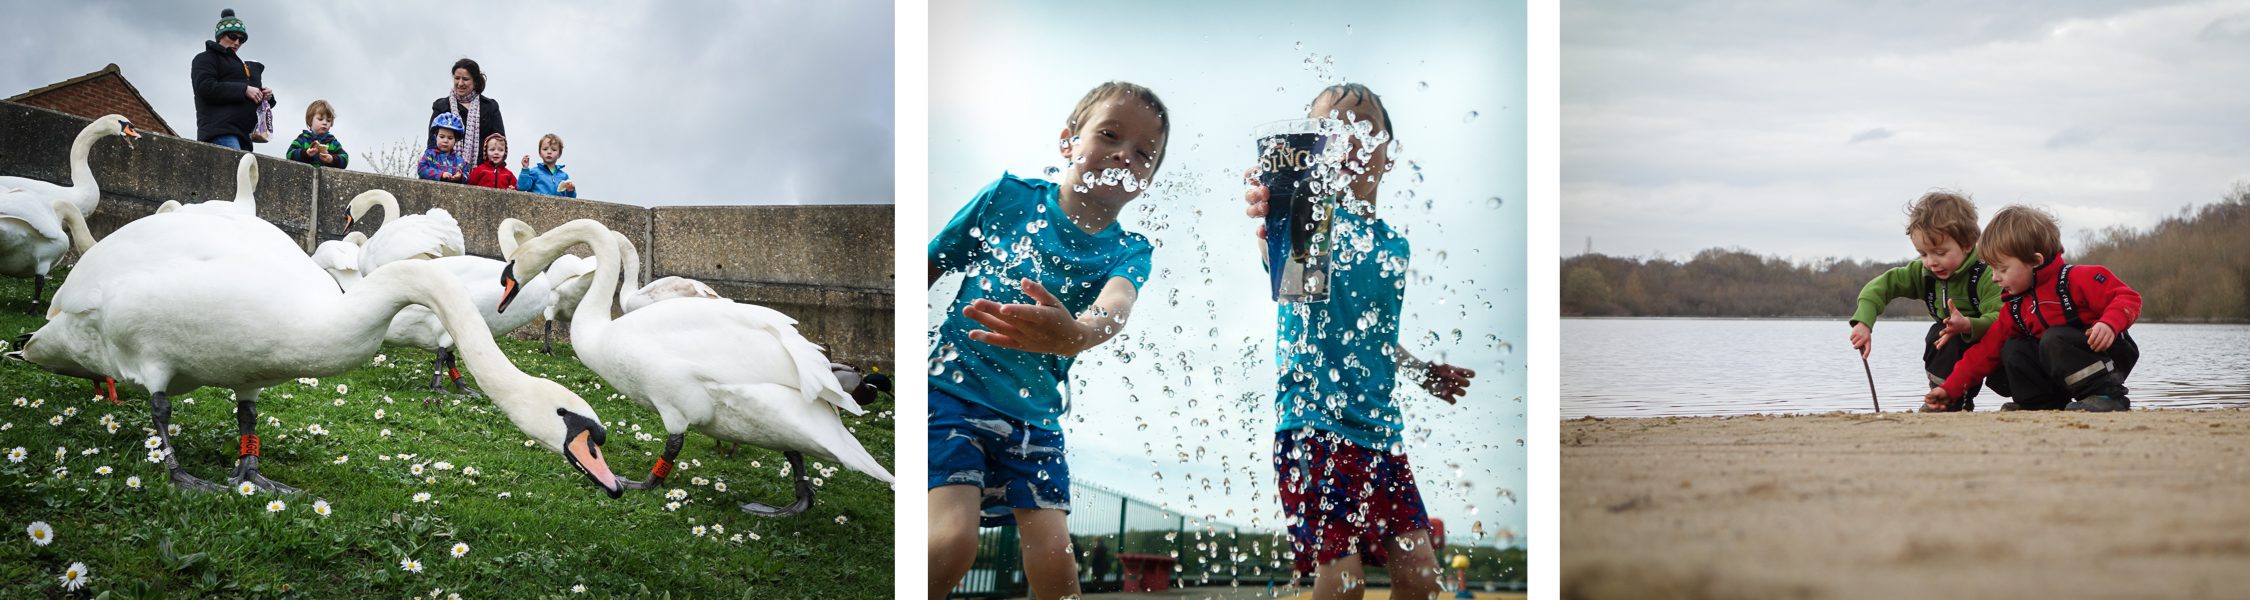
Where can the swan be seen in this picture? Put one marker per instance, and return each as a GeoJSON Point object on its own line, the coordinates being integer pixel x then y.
{"type": "Point", "coordinates": [245, 189]}
{"type": "Point", "coordinates": [735, 372]}
{"type": "Point", "coordinates": [568, 277]}
{"type": "Point", "coordinates": [184, 300]}
{"type": "Point", "coordinates": [340, 258]}
{"type": "Point", "coordinates": [35, 232]}
{"type": "Point", "coordinates": [418, 327]}
{"type": "Point", "coordinates": [665, 288]}
{"type": "Point", "coordinates": [433, 234]}
{"type": "Point", "coordinates": [83, 192]}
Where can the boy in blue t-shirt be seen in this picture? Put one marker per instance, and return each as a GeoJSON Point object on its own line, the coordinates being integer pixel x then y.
{"type": "Point", "coordinates": [1048, 274]}
{"type": "Point", "coordinates": [1345, 482]}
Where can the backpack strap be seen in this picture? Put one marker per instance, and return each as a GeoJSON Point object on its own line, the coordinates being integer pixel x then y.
{"type": "Point", "coordinates": [1976, 300]}
{"type": "Point", "coordinates": [1930, 293]}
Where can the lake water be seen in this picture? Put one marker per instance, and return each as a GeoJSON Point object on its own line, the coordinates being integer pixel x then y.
{"type": "Point", "coordinates": [1681, 367]}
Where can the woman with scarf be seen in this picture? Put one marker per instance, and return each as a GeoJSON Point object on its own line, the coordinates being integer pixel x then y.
{"type": "Point", "coordinates": [479, 114]}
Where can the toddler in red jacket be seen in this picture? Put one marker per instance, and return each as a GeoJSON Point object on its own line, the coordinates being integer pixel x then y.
{"type": "Point", "coordinates": [2060, 341]}
{"type": "Point", "coordinates": [493, 171]}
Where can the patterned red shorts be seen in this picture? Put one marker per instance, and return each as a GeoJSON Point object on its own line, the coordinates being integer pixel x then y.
{"type": "Point", "coordinates": [1343, 499]}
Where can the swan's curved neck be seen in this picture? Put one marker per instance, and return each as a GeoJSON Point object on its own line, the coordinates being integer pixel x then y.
{"type": "Point", "coordinates": [81, 173]}
{"type": "Point", "coordinates": [361, 203]}
{"type": "Point", "coordinates": [390, 288]}
{"type": "Point", "coordinates": [246, 185]}
{"type": "Point", "coordinates": [537, 254]}
{"type": "Point", "coordinates": [81, 239]}
{"type": "Point", "coordinates": [632, 273]}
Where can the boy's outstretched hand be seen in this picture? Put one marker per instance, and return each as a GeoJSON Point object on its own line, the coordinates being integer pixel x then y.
{"type": "Point", "coordinates": [1955, 325]}
{"type": "Point", "coordinates": [1936, 400]}
{"type": "Point", "coordinates": [1447, 382]}
{"type": "Point", "coordinates": [1045, 327]}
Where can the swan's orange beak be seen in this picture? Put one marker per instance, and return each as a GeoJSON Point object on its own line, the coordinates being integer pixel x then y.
{"type": "Point", "coordinates": [347, 222]}
{"type": "Point", "coordinates": [508, 285]}
{"type": "Point", "coordinates": [130, 134]}
{"type": "Point", "coordinates": [588, 458]}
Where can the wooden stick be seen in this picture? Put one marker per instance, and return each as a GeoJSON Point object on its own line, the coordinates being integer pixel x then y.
{"type": "Point", "coordinates": [1870, 383]}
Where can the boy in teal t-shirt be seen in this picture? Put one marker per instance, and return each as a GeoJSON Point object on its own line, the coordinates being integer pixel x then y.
{"type": "Point", "coordinates": [1048, 273]}
{"type": "Point", "coordinates": [1345, 481]}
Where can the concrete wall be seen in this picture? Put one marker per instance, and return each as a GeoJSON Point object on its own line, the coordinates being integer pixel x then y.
{"type": "Point", "coordinates": [828, 266]}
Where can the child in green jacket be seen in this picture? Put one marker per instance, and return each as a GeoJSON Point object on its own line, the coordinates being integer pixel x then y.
{"type": "Point", "coordinates": [1949, 278]}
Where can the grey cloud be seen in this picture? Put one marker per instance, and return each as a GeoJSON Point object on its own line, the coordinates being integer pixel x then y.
{"type": "Point", "coordinates": [1879, 133]}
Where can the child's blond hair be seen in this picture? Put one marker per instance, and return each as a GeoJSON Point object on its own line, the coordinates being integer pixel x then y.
{"type": "Point", "coordinates": [319, 108]}
{"type": "Point", "coordinates": [1944, 213]}
{"type": "Point", "coordinates": [2023, 233]}
{"type": "Point", "coordinates": [556, 139]}
{"type": "Point", "coordinates": [1114, 89]}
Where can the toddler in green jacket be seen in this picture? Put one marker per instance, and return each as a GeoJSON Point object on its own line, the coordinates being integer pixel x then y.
{"type": "Point", "coordinates": [1949, 278]}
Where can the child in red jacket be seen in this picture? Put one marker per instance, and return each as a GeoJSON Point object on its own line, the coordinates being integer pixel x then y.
{"type": "Point", "coordinates": [493, 172]}
{"type": "Point", "coordinates": [2061, 339]}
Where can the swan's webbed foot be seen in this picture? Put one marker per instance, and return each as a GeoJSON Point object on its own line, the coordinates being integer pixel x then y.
{"type": "Point", "coordinates": [246, 470]}
{"type": "Point", "coordinates": [192, 484]}
{"type": "Point", "coordinates": [629, 484]}
{"type": "Point", "coordinates": [804, 492]}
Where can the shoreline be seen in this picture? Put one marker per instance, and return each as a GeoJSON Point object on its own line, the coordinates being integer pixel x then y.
{"type": "Point", "coordinates": [2015, 504]}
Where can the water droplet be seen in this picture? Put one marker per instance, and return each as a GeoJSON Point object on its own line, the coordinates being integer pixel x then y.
{"type": "Point", "coordinates": [1053, 170]}
{"type": "Point", "coordinates": [1472, 116]}
{"type": "Point", "coordinates": [1493, 203]}
{"type": "Point", "coordinates": [1422, 86]}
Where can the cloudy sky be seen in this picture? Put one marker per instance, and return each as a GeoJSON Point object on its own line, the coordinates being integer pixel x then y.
{"type": "Point", "coordinates": [758, 102]}
{"type": "Point", "coordinates": [1802, 129]}
{"type": "Point", "coordinates": [1004, 77]}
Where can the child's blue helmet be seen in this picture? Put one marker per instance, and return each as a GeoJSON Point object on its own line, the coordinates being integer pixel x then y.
{"type": "Point", "coordinates": [448, 121]}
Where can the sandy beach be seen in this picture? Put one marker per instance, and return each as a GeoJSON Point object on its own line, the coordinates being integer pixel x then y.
{"type": "Point", "coordinates": [1902, 505]}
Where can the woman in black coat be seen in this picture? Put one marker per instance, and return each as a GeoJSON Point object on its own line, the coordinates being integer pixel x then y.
{"type": "Point", "coordinates": [481, 115]}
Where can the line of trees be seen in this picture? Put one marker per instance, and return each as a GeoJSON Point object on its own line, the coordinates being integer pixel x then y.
{"type": "Point", "coordinates": [2194, 266]}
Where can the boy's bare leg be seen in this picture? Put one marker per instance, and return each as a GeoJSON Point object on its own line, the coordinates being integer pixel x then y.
{"type": "Point", "coordinates": [953, 535]}
{"type": "Point", "coordinates": [1047, 562]}
{"type": "Point", "coordinates": [1344, 579]}
{"type": "Point", "coordinates": [1414, 573]}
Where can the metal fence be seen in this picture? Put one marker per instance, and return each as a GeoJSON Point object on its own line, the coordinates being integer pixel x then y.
{"type": "Point", "coordinates": [1113, 534]}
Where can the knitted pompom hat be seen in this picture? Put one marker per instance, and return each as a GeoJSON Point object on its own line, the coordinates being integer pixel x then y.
{"type": "Point", "coordinates": [229, 24]}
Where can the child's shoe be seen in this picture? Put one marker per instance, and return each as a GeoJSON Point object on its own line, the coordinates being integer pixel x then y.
{"type": "Point", "coordinates": [2101, 404]}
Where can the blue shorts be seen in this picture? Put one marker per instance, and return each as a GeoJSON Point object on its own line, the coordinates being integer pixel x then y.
{"type": "Point", "coordinates": [1018, 466]}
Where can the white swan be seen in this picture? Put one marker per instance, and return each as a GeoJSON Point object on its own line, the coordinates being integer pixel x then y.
{"type": "Point", "coordinates": [568, 278]}
{"type": "Point", "coordinates": [340, 258]}
{"type": "Point", "coordinates": [181, 301]}
{"type": "Point", "coordinates": [245, 193]}
{"type": "Point", "coordinates": [418, 327]}
{"type": "Point", "coordinates": [433, 234]}
{"type": "Point", "coordinates": [35, 232]}
{"type": "Point", "coordinates": [735, 372]}
{"type": "Point", "coordinates": [637, 296]}
{"type": "Point", "coordinates": [83, 192]}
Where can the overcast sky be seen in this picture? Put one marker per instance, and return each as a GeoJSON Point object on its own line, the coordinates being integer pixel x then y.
{"type": "Point", "coordinates": [1803, 129]}
{"type": "Point", "coordinates": [758, 102]}
{"type": "Point", "coordinates": [1005, 75]}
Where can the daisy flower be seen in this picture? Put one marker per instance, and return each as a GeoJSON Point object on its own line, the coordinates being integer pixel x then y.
{"type": "Point", "coordinates": [133, 482]}
{"type": "Point", "coordinates": [507, 494]}
{"type": "Point", "coordinates": [273, 422]}
{"type": "Point", "coordinates": [55, 420]}
{"type": "Point", "coordinates": [453, 596]}
{"type": "Point", "coordinates": [527, 443]}
{"type": "Point", "coordinates": [36, 403]}
{"type": "Point", "coordinates": [156, 456]}
{"type": "Point", "coordinates": [70, 411]}
{"type": "Point", "coordinates": [62, 472]}
{"type": "Point", "coordinates": [61, 453]}
{"type": "Point", "coordinates": [416, 469]}
{"type": "Point", "coordinates": [246, 489]}
{"type": "Point", "coordinates": [101, 470]}
{"type": "Point", "coordinates": [343, 389]}
{"type": "Point", "coordinates": [443, 466]}
{"type": "Point", "coordinates": [378, 413]}
{"type": "Point", "coordinates": [339, 402]}
{"type": "Point", "coordinates": [460, 550]}
{"type": "Point", "coordinates": [276, 506]}
{"type": "Point", "coordinates": [720, 486]}
{"type": "Point", "coordinates": [578, 589]}
{"type": "Point", "coordinates": [675, 494]}
{"type": "Point", "coordinates": [700, 481]}
{"type": "Point", "coordinates": [421, 497]}
{"type": "Point", "coordinates": [432, 480]}
{"type": "Point", "coordinates": [20, 401]}
{"type": "Point", "coordinates": [698, 531]}
{"type": "Point", "coordinates": [671, 506]}
{"type": "Point", "coordinates": [385, 433]}
{"type": "Point", "coordinates": [736, 539]}
{"type": "Point", "coordinates": [90, 452]}
{"type": "Point", "coordinates": [16, 455]}
{"type": "Point", "coordinates": [755, 537]}
{"type": "Point", "coordinates": [75, 577]}
{"type": "Point", "coordinates": [343, 459]}
{"type": "Point", "coordinates": [469, 471]}
{"type": "Point", "coordinates": [172, 428]}
{"type": "Point", "coordinates": [111, 426]}
{"type": "Point", "coordinates": [717, 528]}
{"type": "Point", "coordinates": [11, 425]}
{"type": "Point", "coordinates": [841, 519]}
{"type": "Point", "coordinates": [320, 507]}
{"type": "Point", "coordinates": [153, 442]}
{"type": "Point", "coordinates": [409, 565]}
{"type": "Point", "coordinates": [41, 533]}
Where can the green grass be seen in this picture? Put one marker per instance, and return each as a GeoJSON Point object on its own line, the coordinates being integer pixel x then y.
{"type": "Point", "coordinates": [554, 530]}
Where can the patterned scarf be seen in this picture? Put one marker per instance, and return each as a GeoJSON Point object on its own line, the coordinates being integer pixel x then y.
{"type": "Point", "coordinates": [474, 123]}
